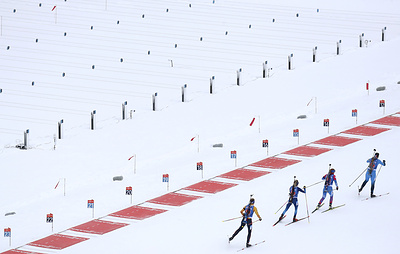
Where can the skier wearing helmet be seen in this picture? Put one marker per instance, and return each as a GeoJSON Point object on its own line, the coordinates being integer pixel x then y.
{"type": "Point", "coordinates": [329, 178]}
{"type": "Point", "coordinates": [371, 172]}
{"type": "Point", "coordinates": [293, 192]}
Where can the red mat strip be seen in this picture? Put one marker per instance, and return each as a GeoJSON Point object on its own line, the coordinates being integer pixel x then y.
{"type": "Point", "coordinates": [174, 199]}
{"type": "Point", "coordinates": [366, 131]}
{"type": "Point", "coordinates": [210, 186]}
{"type": "Point", "coordinates": [58, 241]}
{"type": "Point", "coordinates": [389, 120]}
{"type": "Point", "coordinates": [137, 212]}
{"type": "Point", "coordinates": [336, 141]}
{"type": "Point", "coordinates": [307, 151]}
{"type": "Point", "coordinates": [274, 162]}
{"type": "Point", "coordinates": [99, 227]}
{"type": "Point", "coordinates": [244, 174]}
{"type": "Point", "coordinates": [19, 252]}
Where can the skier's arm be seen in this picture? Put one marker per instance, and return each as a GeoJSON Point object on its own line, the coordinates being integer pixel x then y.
{"type": "Point", "coordinates": [242, 211]}
{"type": "Point", "coordinates": [256, 211]}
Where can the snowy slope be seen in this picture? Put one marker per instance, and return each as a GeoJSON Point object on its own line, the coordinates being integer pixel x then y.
{"type": "Point", "coordinates": [211, 40]}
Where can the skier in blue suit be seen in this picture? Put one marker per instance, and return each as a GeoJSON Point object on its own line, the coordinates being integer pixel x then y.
{"type": "Point", "coordinates": [371, 172]}
{"type": "Point", "coordinates": [293, 192]}
{"type": "Point", "coordinates": [329, 178]}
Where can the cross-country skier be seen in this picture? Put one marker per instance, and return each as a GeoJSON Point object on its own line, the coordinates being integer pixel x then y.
{"type": "Point", "coordinates": [293, 192]}
{"type": "Point", "coordinates": [329, 178]}
{"type": "Point", "coordinates": [247, 213]}
{"type": "Point", "coordinates": [371, 172]}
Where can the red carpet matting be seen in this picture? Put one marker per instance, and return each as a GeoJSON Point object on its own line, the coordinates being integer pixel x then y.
{"type": "Point", "coordinates": [19, 252]}
{"type": "Point", "coordinates": [137, 212]}
{"type": "Point", "coordinates": [366, 130]}
{"type": "Point", "coordinates": [307, 151]}
{"type": "Point", "coordinates": [98, 227]}
{"type": "Point", "coordinates": [336, 141]}
{"type": "Point", "coordinates": [274, 162]}
{"type": "Point", "coordinates": [210, 186]}
{"type": "Point", "coordinates": [244, 174]}
{"type": "Point", "coordinates": [58, 241]}
{"type": "Point", "coordinates": [389, 120]}
{"type": "Point", "coordinates": [174, 199]}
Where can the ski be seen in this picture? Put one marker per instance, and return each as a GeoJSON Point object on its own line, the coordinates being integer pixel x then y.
{"type": "Point", "coordinates": [376, 196]}
{"type": "Point", "coordinates": [279, 221]}
{"type": "Point", "coordinates": [333, 208]}
{"type": "Point", "coordinates": [251, 245]}
{"type": "Point", "coordinates": [296, 221]}
{"type": "Point", "coordinates": [317, 208]}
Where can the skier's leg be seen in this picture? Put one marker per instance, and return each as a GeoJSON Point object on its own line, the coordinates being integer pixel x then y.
{"type": "Point", "coordinates": [331, 199]}
{"type": "Point", "coordinates": [296, 205]}
{"type": "Point", "coordinates": [249, 229]}
{"type": "Point", "coordinates": [287, 208]}
{"type": "Point", "coordinates": [323, 197]}
{"type": "Point", "coordinates": [243, 223]}
{"type": "Point", "coordinates": [367, 176]}
{"type": "Point", "coordinates": [373, 176]}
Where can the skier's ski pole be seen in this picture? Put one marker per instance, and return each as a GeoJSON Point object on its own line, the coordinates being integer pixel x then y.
{"type": "Point", "coordinates": [308, 215]}
{"type": "Point", "coordinates": [281, 207]}
{"type": "Point", "coordinates": [380, 166]}
{"type": "Point", "coordinates": [256, 221]}
{"type": "Point", "coordinates": [315, 184]}
{"type": "Point", "coordinates": [232, 219]}
{"type": "Point", "coordinates": [358, 176]}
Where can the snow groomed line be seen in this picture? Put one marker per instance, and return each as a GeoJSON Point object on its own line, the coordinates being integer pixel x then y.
{"type": "Point", "coordinates": [99, 227]}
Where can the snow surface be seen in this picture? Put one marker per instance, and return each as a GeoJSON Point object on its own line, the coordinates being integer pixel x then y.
{"type": "Point", "coordinates": [160, 140]}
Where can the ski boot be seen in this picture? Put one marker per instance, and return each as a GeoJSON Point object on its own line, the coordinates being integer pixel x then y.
{"type": "Point", "coordinates": [248, 245]}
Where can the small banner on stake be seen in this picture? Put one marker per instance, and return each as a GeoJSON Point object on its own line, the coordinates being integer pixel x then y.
{"type": "Point", "coordinates": [354, 113]}
{"type": "Point", "coordinates": [296, 133]}
{"type": "Point", "coordinates": [233, 155]}
{"type": "Point", "coordinates": [265, 143]}
{"type": "Point", "coordinates": [199, 165]}
{"type": "Point", "coordinates": [128, 190]}
{"type": "Point", "coordinates": [49, 218]}
{"type": "Point", "coordinates": [382, 103]}
{"type": "Point", "coordinates": [90, 203]}
{"type": "Point", "coordinates": [165, 178]}
{"type": "Point", "coordinates": [7, 232]}
{"type": "Point", "coordinates": [326, 122]}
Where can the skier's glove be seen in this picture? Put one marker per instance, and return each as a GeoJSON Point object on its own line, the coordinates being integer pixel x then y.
{"type": "Point", "coordinates": [260, 219]}
{"type": "Point", "coordinates": [384, 163]}
{"type": "Point", "coordinates": [337, 187]}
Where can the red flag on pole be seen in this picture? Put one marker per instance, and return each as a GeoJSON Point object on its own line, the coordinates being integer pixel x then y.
{"type": "Point", "coordinates": [57, 184]}
{"type": "Point", "coordinates": [252, 121]}
{"type": "Point", "coordinates": [54, 7]}
{"type": "Point", "coordinates": [193, 138]}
